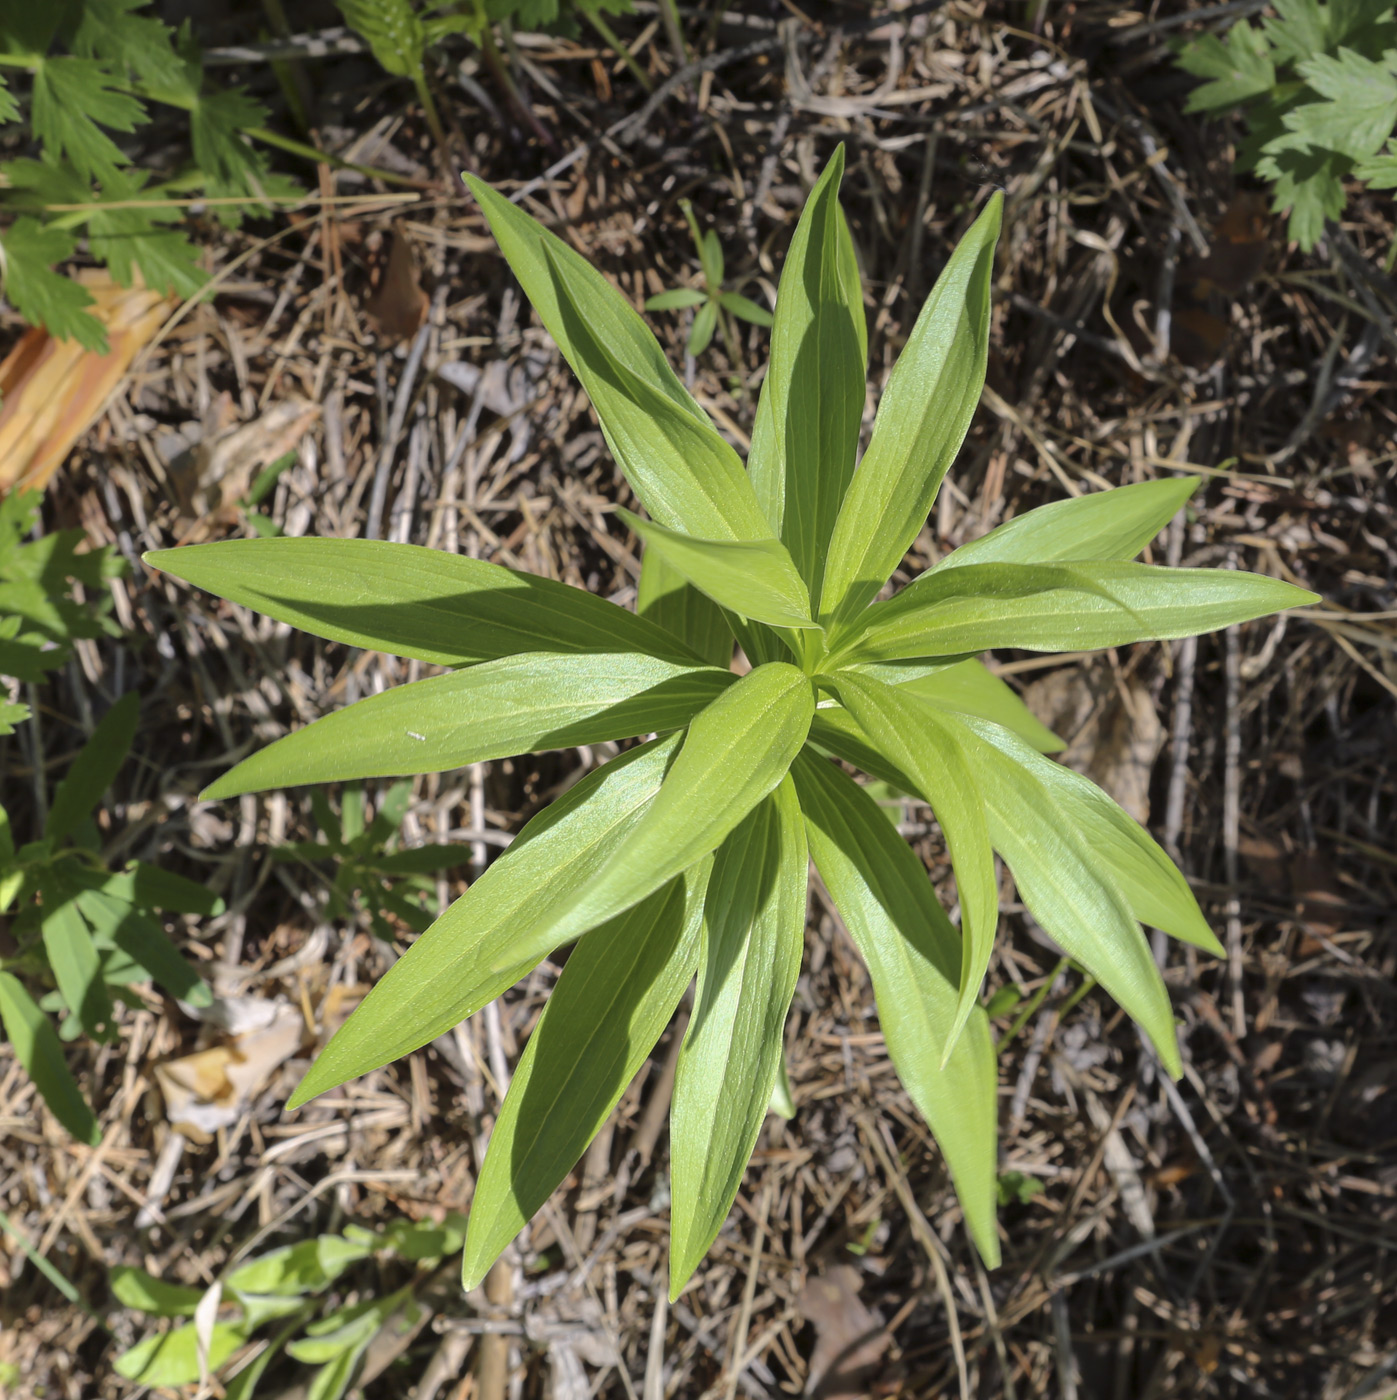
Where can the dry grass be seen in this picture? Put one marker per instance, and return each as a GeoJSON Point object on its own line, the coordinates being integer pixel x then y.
{"type": "Point", "coordinates": [1229, 1236]}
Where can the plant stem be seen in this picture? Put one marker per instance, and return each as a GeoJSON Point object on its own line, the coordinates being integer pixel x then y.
{"type": "Point", "coordinates": [1032, 1005]}
{"type": "Point", "coordinates": [429, 108]}
{"type": "Point", "coordinates": [669, 13]}
{"type": "Point", "coordinates": [618, 46]}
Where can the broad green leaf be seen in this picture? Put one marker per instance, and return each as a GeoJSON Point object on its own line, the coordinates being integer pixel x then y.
{"type": "Point", "coordinates": [665, 597]}
{"type": "Point", "coordinates": [676, 300]}
{"type": "Point", "coordinates": [734, 753]}
{"type": "Point", "coordinates": [1071, 890]}
{"type": "Point", "coordinates": [928, 749]}
{"type": "Point", "coordinates": [518, 704]}
{"type": "Point", "coordinates": [306, 1267]}
{"type": "Point", "coordinates": [1361, 109]}
{"type": "Point", "coordinates": [145, 943]}
{"type": "Point", "coordinates": [616, 995]}
{"type": "Point", "coordinates": [39, 1051]}
{"type": "Point", "coordinates": [1061, 607]}
{"type": "Point", "coordinates": [1103, 525]}
{"type": "Point", "coordinates": [815, 384]}
{"type": "Point", "coordinates": [685, 475]}
{"type": "Point", "coordinates": [500, 928]}
{"type": "Point", "coordinates": [1154, 888]}
{"type": "Point", "coordinates": [409, 601]}
{"type": "Point", "coordinates": [913, 956]}
{"type": "Point", "coordinates": [730, 1063]}
{"type": "Point", "coordinates": [76, 966]}
{"type": "Point", "coordinates": [753, 578]}
{"type": "Point", "coordinates": [968, 687]}
{"type": "Point", "coordinates": [90, 774]}
{"type": "Point", "coordinates": [137, 1289]}
{"type": "Point", "coordinates": [922, 419]}
{"type": "Point", "coordinates": [172, 1358]}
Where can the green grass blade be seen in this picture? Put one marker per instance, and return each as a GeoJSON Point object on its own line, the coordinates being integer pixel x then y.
{"type": "Point", "coordinates": [518, 704]}
{"type": "Point", "coordinates": [90, 774]}
{"type": "Point", "coordinates": [753, 578]}
{"type": "Point", "coordinates": [922, 419]}
{"type": "Point", "coordinates": [615, 997]}
{"type": "Point", "coordinates": [927, 748]}
{"type": "Point", "coordinates": [665, 597]}
{"type": "Point", "coordinates": [753, 939]}
{"type": "Point", "coordinates": [501, 927]}
{"type": "Point", "coordinates": [815, 386]}
{"type": "Point", "coordinates": [1062, 607]}
{"type": "Point", "coordinates": [409, 601]}
{"type": "Point", "coordinates": [913, 956]}
{"type": "Point", "coordinates": [39, 1051]}
{"type": "Point", "coordinates": [1103, 525]}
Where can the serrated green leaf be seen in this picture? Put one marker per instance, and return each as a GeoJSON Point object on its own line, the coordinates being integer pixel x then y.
{"type": "Point", "coordinates": [1154, 888]}
{"type": "Point", "coordinates": [1361, 109]}
{"type": "Point", "coordinates": [684, 474]}
{"type": "Point", "coordinates": [134, 1288]}
{"type": "Point", "coordinates": [172, 1358]}
{"type": "Point", "coordinates": [916, 737]}
{"type": "Point", "coordinates": [1379, 171]}
{"type": "Point", "coordinates": [730, 1063]}
{"type": "Point", "coordinates": [9, 108]}
{"type": "Point", "coordinates": [1061, 607]}
{"type": "Point", "coordinates": [393, 32]}
{"type": "Point", "coordinates": [815, 385]}
{"type": "Point", "coordinates": [676, 300]}
{"type": "Point", "coordinates": [666, 598]}
{"type": "Point", "coordinates": [11, 713]}
{"type": "Point", "coordinates": [518, 704]}
{"type": "Point", "coordinates": [38, 1050]}
{"type": "Point", "coordinates": [1103, 525]}
{"type": "Point", "coordinates": [73, 99]}
{"type": "Point", "coordinates": [1238, 69]}
{"type": "Point", "coordinates": [131, 42]}
{"type": "Point", "coordinates": [913, 956]}
{"type": "Point", "coordinates": [753, 578]}
{"type": "Point", "coordinates": [616, 995]}
{"type": "Point", "coordinates": [500, 928]}
{"type": "Point", "coordinates": [91, 773]}
{"type": "Point", "coordinates": [922, 419]}
{"type": "Point", "coordinates": [44, 297]}
{"type": "Point", "coordinates": [410, 601]}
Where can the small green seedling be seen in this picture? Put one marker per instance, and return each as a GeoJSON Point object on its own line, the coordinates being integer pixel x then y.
{"type": "Point", "coordinates": [714, 304]}
{"type": "Point", "coordinates": [1317, 87]}
{"type": "Point", "coordinates": [290, 1286]}
{"type": "Point", "coordinates": [81, 931]}
{"type": "Point", "coordinates": [389, 884]}
{"type": "Point", "coordinates": [689, 853]}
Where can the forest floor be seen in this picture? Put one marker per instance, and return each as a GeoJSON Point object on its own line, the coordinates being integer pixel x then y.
{"type": "Point", "coordinates": [1233, 1235]}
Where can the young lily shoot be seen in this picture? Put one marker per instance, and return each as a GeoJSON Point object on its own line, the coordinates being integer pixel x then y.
{"type": "Point", "coordinates": [685, 860]}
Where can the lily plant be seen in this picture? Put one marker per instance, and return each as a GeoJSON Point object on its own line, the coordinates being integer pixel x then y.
{"type": "Point", "coordinates": [688, 855]}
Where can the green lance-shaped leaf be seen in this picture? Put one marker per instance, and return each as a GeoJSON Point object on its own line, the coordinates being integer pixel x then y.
{"type": "Point", "coordinates": [409, 601]}
{"type": "Point", "coordinates": [149, 887]}
{"type": "Point", "coordinates": [1104, 525]}
{"type": "Point", "coordinates": [77, 968]}
{"type": "Point", "coordinates": [753, 938]}
{"type": "Point", "coordinates": [753, 578]}
{"type": "Point", "coordinates": [734, 753]}
{"type": "Point", "coordinates": [615, 997]}
{"type": "Point", "coordinates": [816, 382]}
{"type": "Point", "coordinates": [923, 417]}
{"type": "Point", "coordinates": [701, 332]}
{"type": "Point", "coordinates": [923, 745]}
{"type": "Point", "coordinates": [913, 956]}
{"type": "Point", "coordinates": [969, 687]}
{"type": "Point", "coordinates": [666, 598]}
{"type": "Point", "coordinates": [134, 1288]}
{"type": "Point", "coordinates": [1062, 607]}
{"type": "Point", "coordinates": [676, 300]}
{"type": "Point", "coordinates": [1154, 888]}
{"type": "Point", "coordinates": [117, 924]}
{"type": "Point", "coordinates": [499, 929]}
{"type": "Point", "coordinates": [40, 1052]}
{"type": "Point", "coordinates": [518, 704]}
{"type": "Point", "coordinates": [1071, 890]}
{"type": "Point", "coordinates": [172, 1358]}
{"type": "Point", "coordinates": [90, 774]}
{"type": "Point", "coordinates": [684, 474]}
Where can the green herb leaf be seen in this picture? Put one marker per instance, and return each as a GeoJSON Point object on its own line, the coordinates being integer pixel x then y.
{"type": "Point", "coordinates": [676, 300]}
{"type": "Point", "coordinates": [730, 1063]}
{"type": "Point", "coordinates": [73, 99]}
{"type": "Point", "coordinates": [393, 32]}
{"type": "Point", "coordinates": [815, 385]}
{"type": "Point", "coordinates": [1361, 106]}
{"type": "Point", "coordinates": [745, 309]}
{"type": "Point", "coordinates": [616, 995]}
{"type": "Point", "coordinates": [701, 332]}
{"type": "Point", "coordinates": [134, 1288]}
{"type": "Point", "coordinates": [518, 704]}
{"type": "Point", "coordinates": [38, 1050]}
{"type": "Point", "coordinates": [145, 943]}
{"type": "Point", "coordinates": [753, 578]}
{"type": "Point", "coordinates": [666, 598]}
{"type": "Point", "coordinates": [91, 773]}
{"type": "Point", "coordinates": [922, 419]}
{"type": "Point", "coordinates": [913, 956]}
{"type": "Point", "coordinates": [44, 297]}
{"type": "Point", "coordinates": [1239, 69]}
{"type": "Point", "coordinates": [968, 687]}
{"type": "Point", "coordinates": [1062, 607]}
{"type": "Point", "coordinates": [76, 966]}
{"type": "Point", "coordinates": [501, 927]}
{"type": "Point", "coordinates": [929, 750]}
{"type": "Point", "coordinates": [172, 1358]}
{"type": "Point", "coordinates": [410, 601]}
